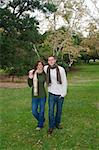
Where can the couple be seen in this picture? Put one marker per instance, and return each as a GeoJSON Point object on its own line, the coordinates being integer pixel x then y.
{"type": "Point", "coordinates": [55, 78]}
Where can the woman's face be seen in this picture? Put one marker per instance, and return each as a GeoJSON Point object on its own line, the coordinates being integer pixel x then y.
{"type": "Point", "coordinates": [40, 66]}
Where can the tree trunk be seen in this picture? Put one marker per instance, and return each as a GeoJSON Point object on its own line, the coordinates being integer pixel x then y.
{"type": "Point", "coordinates": [13, 78]}
{"type": "Point", "coordinates": [35, 49]}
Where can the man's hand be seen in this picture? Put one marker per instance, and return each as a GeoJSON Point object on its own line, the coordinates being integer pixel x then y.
{"type": "Point", "coordinates": [31, 74]}
{"type": "Point", "coordinates": [61, 97]}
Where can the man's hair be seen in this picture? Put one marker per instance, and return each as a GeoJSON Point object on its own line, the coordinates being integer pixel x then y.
{"type": "Point", "coordinates": [52, 56]}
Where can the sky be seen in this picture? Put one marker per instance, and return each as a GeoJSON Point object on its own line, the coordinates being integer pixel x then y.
{"type": "Point", "coordinates": [60, 21]}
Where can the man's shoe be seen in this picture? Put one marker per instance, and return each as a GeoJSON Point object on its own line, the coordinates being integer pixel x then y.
{"type": "Point", "coordinates": [59, 127]}
{"type": "Point", "coordinates": [50, 130]}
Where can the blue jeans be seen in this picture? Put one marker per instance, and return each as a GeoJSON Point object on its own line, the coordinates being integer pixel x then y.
{"type": "Point", "coordinates": [55, 117]}
{"type": "Point", "coordinates": [38, 110]}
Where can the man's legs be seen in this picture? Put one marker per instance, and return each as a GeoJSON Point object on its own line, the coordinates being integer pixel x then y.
{"type": "Point", "coordinates": [51, 103]}
{"type": "Point", "coordinates": [59, 105]}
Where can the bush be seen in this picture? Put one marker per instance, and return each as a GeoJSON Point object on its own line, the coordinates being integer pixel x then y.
{"type": "Point", "coordinates": [64, 65]}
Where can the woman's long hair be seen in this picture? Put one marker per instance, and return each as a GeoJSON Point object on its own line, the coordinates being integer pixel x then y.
{"type": "Point", "coordinates": [35, 67]}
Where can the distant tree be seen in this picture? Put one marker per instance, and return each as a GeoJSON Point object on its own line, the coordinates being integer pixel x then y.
{"type": "Point", "coordinates": [92, 43]}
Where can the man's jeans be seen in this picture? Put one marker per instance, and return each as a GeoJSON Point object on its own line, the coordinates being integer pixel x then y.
{"type": "Point", "coordinates": [55, 118]}
{"type": "Point", "coordinates": [38, 110]}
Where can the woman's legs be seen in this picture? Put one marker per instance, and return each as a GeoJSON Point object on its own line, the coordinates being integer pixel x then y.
{"type": "Point", "coordinates": [41, 119]}
{"type": "Point", "coordinates": [39, 114]}
{"type": "Point", "coordinates": [35, 102]}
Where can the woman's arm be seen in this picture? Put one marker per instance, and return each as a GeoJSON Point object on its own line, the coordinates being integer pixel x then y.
{"type": "Point", "coordinates": [30, 82]}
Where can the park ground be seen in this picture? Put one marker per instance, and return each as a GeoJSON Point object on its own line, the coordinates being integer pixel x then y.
{"type": "Point", "coordinates": [80, 118]}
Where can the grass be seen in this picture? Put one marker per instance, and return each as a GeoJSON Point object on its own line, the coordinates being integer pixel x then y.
{"type": "Point", "coordinates": [80, 116]}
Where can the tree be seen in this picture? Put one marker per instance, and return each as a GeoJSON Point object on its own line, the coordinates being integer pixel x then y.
{"type": "Point", "coordinates": [60, 42]}
{"type": "Point", "coordinates": [20, 35]}
{"type": "Point", "coordinates": [92, 43]}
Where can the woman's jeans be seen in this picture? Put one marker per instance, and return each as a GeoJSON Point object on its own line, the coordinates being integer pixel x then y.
{"type": "Point", "coordinates": [55, 117]}
{"type": "Point", "coordinates": [38, 110]}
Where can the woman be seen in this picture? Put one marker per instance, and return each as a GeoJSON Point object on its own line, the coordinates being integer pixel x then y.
{"type": "Point", "coordinates": [36, 80]}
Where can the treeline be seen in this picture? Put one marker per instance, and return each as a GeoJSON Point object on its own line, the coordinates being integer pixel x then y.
{"type": "Point", "coordinates": [21, 44]}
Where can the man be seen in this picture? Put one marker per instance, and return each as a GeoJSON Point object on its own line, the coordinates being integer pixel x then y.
{"type": "Point", "coordinates": [57, 89]}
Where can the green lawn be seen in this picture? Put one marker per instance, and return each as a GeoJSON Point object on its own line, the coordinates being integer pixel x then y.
{"type": "Point", "coordinates": [80, 117]}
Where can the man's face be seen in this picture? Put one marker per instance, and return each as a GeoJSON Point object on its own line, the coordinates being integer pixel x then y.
{"type": "Point", "coordinates": [51, 61]}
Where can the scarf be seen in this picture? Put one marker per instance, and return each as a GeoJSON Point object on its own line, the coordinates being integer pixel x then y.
{"type": "Point", "coordinates": [48, 76]}
{"type": "Point", "coordinates": [35, 84]}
